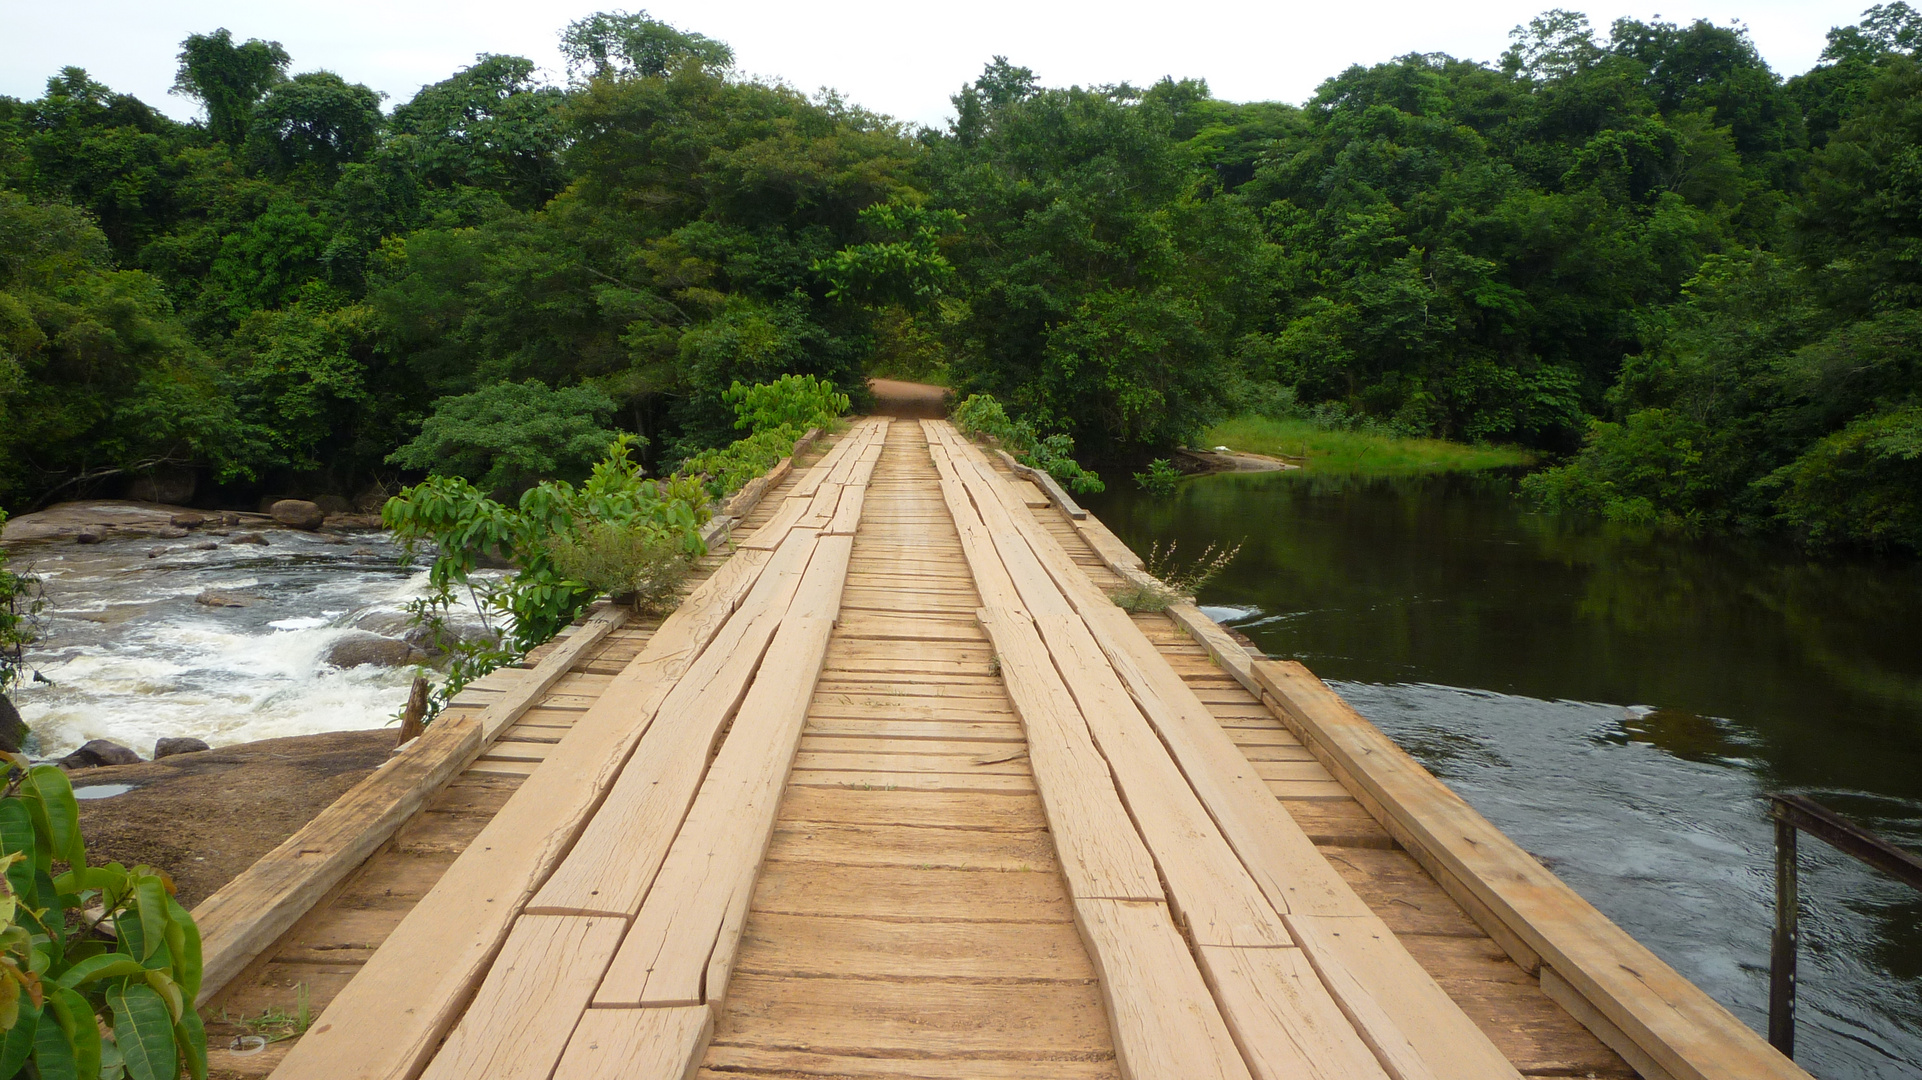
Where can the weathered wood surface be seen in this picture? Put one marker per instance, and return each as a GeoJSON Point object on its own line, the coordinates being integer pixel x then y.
{"type": "Point", "coordinates": [904, 794]}
{"type": "Point", "coordinates": [251, 912]}
{"type": "Point", "coordinates": [434, 960]}
{"type": "Point", "coordinates": [1667, 1019]}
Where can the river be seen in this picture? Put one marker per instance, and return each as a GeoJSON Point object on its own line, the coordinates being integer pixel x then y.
{"type": "Point", "coordinates": [130, 655]}
{"type": "Point", "coordinates": [1619, 704]}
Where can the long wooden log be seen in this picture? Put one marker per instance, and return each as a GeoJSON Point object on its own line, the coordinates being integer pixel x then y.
{"type": "Point", "coordinates": [1664, 1018]}
{"type": "Point", "coordinates": [249, 913]}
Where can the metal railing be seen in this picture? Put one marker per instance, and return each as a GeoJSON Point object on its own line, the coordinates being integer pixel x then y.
{"type": "Point", "coordinates": [1793, 814]}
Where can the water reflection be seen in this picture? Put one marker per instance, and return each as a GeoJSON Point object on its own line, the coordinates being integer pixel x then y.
{"type": "Point", "coordinates": [1736, 668]}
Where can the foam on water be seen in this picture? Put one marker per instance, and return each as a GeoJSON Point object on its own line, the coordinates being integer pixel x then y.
{"type": "Point", "coordinates": [133, 658]}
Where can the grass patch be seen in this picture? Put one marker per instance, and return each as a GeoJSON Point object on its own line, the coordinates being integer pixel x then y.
{"type": "Point", "coordinates": [1337, 451]}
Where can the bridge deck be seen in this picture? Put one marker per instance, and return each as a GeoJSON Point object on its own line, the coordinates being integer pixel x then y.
{"type": "Point", "coordinates": [897, 792]}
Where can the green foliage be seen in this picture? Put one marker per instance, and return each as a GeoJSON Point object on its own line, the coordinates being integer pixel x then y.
{"type": "Point", "coordinates": [1169, 581]}
{"type": "Point", "coordinates": [797, 402]}
{"type": "Point", "coordinates": [1860, 486]}
{"type": "Point", "coordinates": [642, 567]}
{"type": "Point", "coordinates": [62, 980]}
{"type": "Point", "coordinates": [509, 436]}
{"type": "Point", "coordinates": [228, 79]}
{"type": "Point", "coordinates": [20, 604]}
{"type": "Point", "coordinates": [776, 415]}
{"type": "Point", "coordinates": [530, 606]}
{"type": "Point", "coordinates": [981, 415]}
{"type": "Point", "coordinates": [620, 43]}
{"type": "Point", "coordinates": [1330, 442]}
{"type": "Point", "coordinates": [908, 268]}
{"type": "Point", "coordinates": [1602, 224]}
{"type": "Point", "coordinates": [1160, 479]}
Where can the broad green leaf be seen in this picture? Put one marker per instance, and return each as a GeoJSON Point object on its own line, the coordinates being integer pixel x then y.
{"type": "Point", "coordinates": [18, 1042]}
{"type": "Point", "coordinates": [105, 966]}
{"type": "Point", "coordinates": [187, 962]}
{"type": "Point", "coordinates": [53, 1049]}
{"type": "Point", "coordinates": [169, 992]}
{"type": "Point", "coordinates": [10, 1001]}
{"type": "Point", "coordinates": [150, 898]}
{"type": "Point", "coordinates": [144, 1031]}
{"type": "Point", "coordinates": [192, 1038]}
{"type": "Point", "coordinates": [16, 836]}
{"type": "Point", "coordinates": [63, 813]}
{"type": "Point", "coordinates": [77, 1017]}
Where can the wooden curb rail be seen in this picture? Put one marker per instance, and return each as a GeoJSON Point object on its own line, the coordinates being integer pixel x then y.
{"type": "Point", "coordinates": [246, 916]}
{"type": "Point", "coordinates": [1664, 1026]}
{"type": "Point", "coordinates": [249, 913]}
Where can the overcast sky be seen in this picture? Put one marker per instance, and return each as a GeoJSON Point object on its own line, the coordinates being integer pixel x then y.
{"type": "Point", "coordinates": [903, 59]}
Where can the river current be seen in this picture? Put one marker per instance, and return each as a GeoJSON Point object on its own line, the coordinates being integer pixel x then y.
{"type": "Point", "coordinates": [131, 656]}
{"type": "Point", "coordinates": [1619, 704]}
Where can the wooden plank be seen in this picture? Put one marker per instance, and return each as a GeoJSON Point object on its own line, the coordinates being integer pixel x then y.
{"type": "Point", "coordinates": [645, 806]}
{"type": "Point", "coordinates": [520, 1021]}
{"type": "Point", "coordinates": [1163, 1018]}
{"type": "Point", "coordinates": [1655, 1012]}
{"type": "Point", "coordinates": [248, 914]}
{"type": "Point", "coordinates": [819, 946]}
{"type": "Point", "coordinates": [1415, 1029]}
{"type": "Point", "coordinates": [637, 1044]}
{"type": "Point", "coordinates": [434, 959]}
{"type": "Point", "coordinates": [1100, 852]}
{"type": "Point", "coordinates": [1405, 1003]}
{"type": "Point", "coordinates": [1293, 1029]}
{"type": "Point", "coordinates": [718, 851]}
{"type": "Point", "coordinates": [1046, 483]}
{"type": "Point", "coordinates": [527, 692]}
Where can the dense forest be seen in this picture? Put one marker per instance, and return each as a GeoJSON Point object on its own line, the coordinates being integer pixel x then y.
{"type": "Point", "coordinates": [1694, 286]}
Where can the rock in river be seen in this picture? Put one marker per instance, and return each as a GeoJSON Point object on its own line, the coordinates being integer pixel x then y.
{"type": "Point", "coordinates": [298, 514]}
{"type": "Point", "coordinates": [372, 649]}
{"type": "Point", "coordinates": [98, 752]}
{"type": "Point", "coordinates": [216, 598]}
{"type": "Point", "coordinates": [13, 730]}
{"type": "Point", "coordinates": [177, 744]}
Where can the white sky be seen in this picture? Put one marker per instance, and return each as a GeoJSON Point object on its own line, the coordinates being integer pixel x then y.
{"type": "Point", "coordinates": [903, 59]}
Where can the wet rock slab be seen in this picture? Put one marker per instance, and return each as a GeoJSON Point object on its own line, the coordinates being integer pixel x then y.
{"type": "Point", "coordinates": [205, 817]}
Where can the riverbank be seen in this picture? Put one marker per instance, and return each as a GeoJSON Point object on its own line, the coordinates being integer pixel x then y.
{"type": "Point", "coordinates": [1327, 450]}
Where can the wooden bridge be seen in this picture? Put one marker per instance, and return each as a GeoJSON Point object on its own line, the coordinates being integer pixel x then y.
{"type": "Point", "coordinates": [898, 791]}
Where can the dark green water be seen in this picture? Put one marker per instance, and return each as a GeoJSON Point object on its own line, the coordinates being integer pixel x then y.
{"type": "Point", "coordinates": [1617, 703]}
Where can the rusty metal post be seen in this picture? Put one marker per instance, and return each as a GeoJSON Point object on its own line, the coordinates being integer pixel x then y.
{"type": "Point", "coordinates": [1782, 943]}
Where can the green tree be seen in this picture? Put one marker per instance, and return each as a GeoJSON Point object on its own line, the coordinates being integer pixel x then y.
{"type": "Point", "coordinates": [228, 79]}
{"type": "Point", "coordinates": [510, 436]}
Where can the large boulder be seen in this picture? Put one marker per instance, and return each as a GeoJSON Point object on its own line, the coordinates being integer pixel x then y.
{"type": "Point", "coordinates": [177, 744]}
{"type": "Point", "coordinates": [98, 752]}
{"type": "Point", "coordinates": [298, 514]}
{"type": "Point", "coordinates": [13, 730]}
{"type": "Point", "coordinates": [358, 649]}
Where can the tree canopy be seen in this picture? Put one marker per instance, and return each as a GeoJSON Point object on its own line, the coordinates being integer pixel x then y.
{"type": "Point", "coordinates": [1688, 281]}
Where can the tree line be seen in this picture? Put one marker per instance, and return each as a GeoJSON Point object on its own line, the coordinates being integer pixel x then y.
{"type": "Point", "coordinates": [1690, 283]}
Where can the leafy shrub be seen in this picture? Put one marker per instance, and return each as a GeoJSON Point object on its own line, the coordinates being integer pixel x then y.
{"type": "Point", "coordinates": [982, 415]}
{"type": "Point", "coordinates": [642, 567]}
{"type": "Point", "coordinates": [19, 604]}
{"type": "Point", "coordinates": [1160, 478]}
{"type": "Point", "coordinates": [529, 607]}
{"type": "Point", "coordinates": [510, 436]}
{"type": "Point", "coordinates": [1658, 467]}
{"type": "Point", "coordinates": [1861, 485]}
{"type": "Point", "coordinates": [74, 1001]}
{"type": "Point", "coordinates": [795, 401]}
{"type": "Point", "coordinates": [776, 414]}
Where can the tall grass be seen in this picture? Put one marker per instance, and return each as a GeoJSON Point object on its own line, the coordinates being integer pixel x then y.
{"type": "Point", "coordinates": [1332, 450]}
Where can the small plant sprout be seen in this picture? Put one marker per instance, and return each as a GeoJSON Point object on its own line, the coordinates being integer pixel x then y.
{"type": "Point", "coordinates": [1168, 581]}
